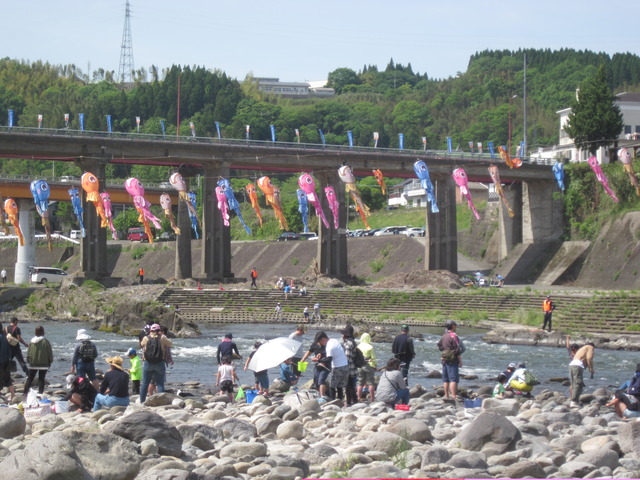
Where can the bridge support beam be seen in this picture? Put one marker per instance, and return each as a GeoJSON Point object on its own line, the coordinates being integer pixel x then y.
{"type": "Point", "coordinates": [441, 245]}
{"type": "Point", "coordinates": [216, 238]}
{"type": "Point", "coordinates": [93, 250]}
{"type": "Point", "coordinates": [541, 212]}
{"type": "Point", "coordinates": [510, 228]}
{"type": "Point", "coordinates": [332, 243]}
{"type": "Point", "coordinates": [27, 252]}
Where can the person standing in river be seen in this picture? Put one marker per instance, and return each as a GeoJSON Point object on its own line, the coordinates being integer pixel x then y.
{"type": "Point", "coordinates": [581, 360]}
{"type": "Point", "coordinates": [402, 349]}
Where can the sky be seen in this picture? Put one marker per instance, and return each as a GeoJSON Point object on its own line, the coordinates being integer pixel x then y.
{"type": "Point", "coordinates": [304, 41]}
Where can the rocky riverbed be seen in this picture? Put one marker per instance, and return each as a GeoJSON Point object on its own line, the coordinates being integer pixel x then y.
{"type": "Point", "coordinates": [293, 436]}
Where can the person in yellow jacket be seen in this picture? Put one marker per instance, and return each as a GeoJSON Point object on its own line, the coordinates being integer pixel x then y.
{"type": "Point", "coordinates": [135, 372]}
{"type": "Point", "coordinates": [366, 374]}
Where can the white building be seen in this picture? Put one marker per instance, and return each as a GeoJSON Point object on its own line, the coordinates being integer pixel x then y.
{"type": "Point", "coordinates": [274, 86]}
{"type": "Point", "coordinates": [629, 104]}
{"type": "Point", "coordinates": [411, 194]}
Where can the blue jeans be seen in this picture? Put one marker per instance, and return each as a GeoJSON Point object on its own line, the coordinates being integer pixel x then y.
{"type": "Point", "coordinates": [109, 401]}
{"type": "Point", "coordinates": [402, 396]}
{"type": "Point", "coordinates": [404, 369]}
{"type": "Point", "coordinates": [152, 371]}
{"type": "Point", "coordinates": [86, 369]}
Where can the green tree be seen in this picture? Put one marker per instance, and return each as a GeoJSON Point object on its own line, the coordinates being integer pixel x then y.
{"type": "Point", "coordinates": [595, 120]}
{"type": "Point", "coordinates": [341, 77]}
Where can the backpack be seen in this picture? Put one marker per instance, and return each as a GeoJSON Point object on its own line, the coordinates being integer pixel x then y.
{"type": "Point", "coordinates": [634, 388]}
{"type": "Point", "coordinates": [358, 359]}
{"type": "Point", "coordinates": [87, 351]}
{"type": "Point", "coordinates": [153, 352]}
{"type": "Point", "coordinates": [530, 379]}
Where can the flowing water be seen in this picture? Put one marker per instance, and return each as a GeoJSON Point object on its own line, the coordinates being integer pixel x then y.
{"type": "Point", "coordinates": [195, 358]}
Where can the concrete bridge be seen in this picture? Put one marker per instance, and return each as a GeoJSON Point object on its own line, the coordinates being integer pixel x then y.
{"type": "Point", "coordinates": [538, 217]}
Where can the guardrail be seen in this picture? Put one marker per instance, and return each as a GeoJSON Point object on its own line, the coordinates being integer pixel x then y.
{"type": "Point", "coordinates": [38, 236]}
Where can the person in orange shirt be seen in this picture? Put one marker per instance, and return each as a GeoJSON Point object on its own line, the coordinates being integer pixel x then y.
{"type": "Point", "coordinates": [547, 307]}
{"type": "Point", "coordinates": [254, 277]}
{"type": "Point", "coordinates": [141, 275]}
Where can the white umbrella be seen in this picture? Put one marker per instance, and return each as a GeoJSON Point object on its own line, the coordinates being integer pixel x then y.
{"type": "Point", "coordinates": [273, 353]}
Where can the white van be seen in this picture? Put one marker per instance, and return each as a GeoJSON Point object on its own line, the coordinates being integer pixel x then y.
{"type": "Point", "coordinates": [47, 275]}
{"type": "Point", "coordinates": [75, 234]}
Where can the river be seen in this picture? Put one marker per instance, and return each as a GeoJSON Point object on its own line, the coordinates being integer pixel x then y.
{"type": "Point", "coordinates": [195, 358]}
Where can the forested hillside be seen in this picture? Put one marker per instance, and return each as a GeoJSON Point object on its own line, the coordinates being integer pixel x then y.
{"type": "Point", "coordinates": [472, 106]}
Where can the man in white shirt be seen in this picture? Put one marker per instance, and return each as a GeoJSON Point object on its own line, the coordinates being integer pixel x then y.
{"type": "Point", "coordinates": [339, 364]}
{"type": "Point", "coordinates": [3, 274]}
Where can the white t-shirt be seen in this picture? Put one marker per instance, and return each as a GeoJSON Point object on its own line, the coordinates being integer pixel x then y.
{"type": "Point", "coordinates": [334, 349]}
{"type": "Point", "coordinates": [226, 372]}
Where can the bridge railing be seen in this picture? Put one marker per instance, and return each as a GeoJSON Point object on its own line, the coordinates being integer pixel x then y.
{"type": "Point", "coordinates": [265, 144]}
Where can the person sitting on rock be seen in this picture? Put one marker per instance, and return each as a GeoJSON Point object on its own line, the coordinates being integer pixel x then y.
{"type": "Point", "coordinates": [499, 391]}
{"type": "Point", "coordinates": [114, 389]}
{"type": "Point", "coordinates": [286, 374]}
{"type": "Point", "coordinates": [81, 395]}
{"type": "Point", "coordinates": [625, 405]}
{"type": "Point", "coordinates": [392, 389]}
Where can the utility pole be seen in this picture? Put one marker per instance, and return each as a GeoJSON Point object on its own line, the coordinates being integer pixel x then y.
{"type": "Point", "coordinates": [524, 106]}
{"type": "Point", "coordinates": [126, 68]}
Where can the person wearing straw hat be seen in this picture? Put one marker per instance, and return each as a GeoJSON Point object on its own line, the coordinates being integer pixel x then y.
{"type": "Point", "coordinates": [114, 389]}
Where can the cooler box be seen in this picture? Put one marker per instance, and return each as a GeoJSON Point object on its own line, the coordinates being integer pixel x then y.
{"type": "Point", "coordinates": [399, 406]}
{"type": "Point", "coordinates": [250, 394]}
{"type": "Point", "coordinates": [475, 403]}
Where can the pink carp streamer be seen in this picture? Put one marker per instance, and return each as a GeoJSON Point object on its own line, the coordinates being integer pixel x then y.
{"type": "Point", "coordinates": [179, 184]}
{"type": "Point", "coordinates": [602, 178]}
{"type": "Point", "coordinates": [135, 188]}
{"type": "Point", "coordinates": [460, 177]}
{"type": "Point", "coordinates": [625, 158]}
{"type": "Point", "coordinates": [165, 203]}
{"type": "Point", "coordinates": [334, 206]}
{"type": "Point", "coordinates": [11, 207]}
{"type": "Point", "coordinates": [272, 195]}
{"type": "Point", "coordinates": [223, 206]}
{"type": "Point", "coordinates": [106, 203]}
{"type": "Point", "coordinates": [253, 198]}
{"type": "Point", "coordinates": [346, 175]}
{"type": "Point", "coordinates": [495, 176]}
{"type": "Point", "coordinates": [308, 186]}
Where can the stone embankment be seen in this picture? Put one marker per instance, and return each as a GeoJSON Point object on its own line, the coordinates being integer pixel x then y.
{"type": "Point", "coordinates": [293, 436]}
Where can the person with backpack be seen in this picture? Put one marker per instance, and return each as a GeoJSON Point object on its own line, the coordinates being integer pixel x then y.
{"type": "Point", "coordinates": [84, 356]}
{"type": "Point", "coordinates": [154, 366]}
{"type": "Point", "coordinates": [522, 381]}
{"type": "Point", "coordinates": [349, 347]}
{"type": "Point", "coordinates": [450, 346]}
{"type": "Point", "coordinates": [366, 373]}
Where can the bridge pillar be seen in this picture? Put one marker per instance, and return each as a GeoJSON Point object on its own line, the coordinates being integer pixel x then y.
{"type": "Point", "coordinates": [332, 243]}
{"type": "Point", "coordinates": [541, 212]}
{"type": "Point", "coordinates": [27, 252]}
{"type": "Point", "coordinates": [441, 245]}
{"type": "Point", "coordinates": [216, 238]}
{"type": "Point", "coordinates": [93, 247]}
{"type": "Point", "coordinates": [183, 268]}
{"type": "Point", "coordinates": [510, 228]}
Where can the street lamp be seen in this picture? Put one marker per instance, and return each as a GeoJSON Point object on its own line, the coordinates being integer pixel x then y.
{"type": "Point", "coordinates": [509, 123]}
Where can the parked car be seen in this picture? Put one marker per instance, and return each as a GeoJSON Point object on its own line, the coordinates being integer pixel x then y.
{"type": "Point", "coordinates": [47, 275]}
{"type": "Point", "coordinates": [166, 237]}
{"type": "Point", "coordinates": [286, 236]}
{"type": "Point", "coordinates": [75, 234]}
{"type": "Point", "coordinates": [308, 236]}
{"type": "Point", "coordinates": [370, 233]}
{"type": "Point", "coordinates": [166, 186]}
{"type": "Point", "coordinates": [70, 179]}
{"type": "Point", "coordinates": [414, 232]}
{"type": "Point", "coordinates": [137, 234]}
{"type": "Point", "coordinates": [394, 230]}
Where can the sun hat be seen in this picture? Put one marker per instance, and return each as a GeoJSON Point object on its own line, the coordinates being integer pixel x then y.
{"type": "Point", "coordinates": [155, 327]}
{"type": "Point", "coordinates": [115, 362]}
{"type": "Point", "coordinates": [70, 378]}
{"type": "Point", "coordinates": [82, 335]}
{"type": "Point", "coordinates": [132, 351]}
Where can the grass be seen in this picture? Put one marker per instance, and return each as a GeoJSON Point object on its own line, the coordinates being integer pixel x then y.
{"type": "Point", "coordinates": [376, 265]}
{"type": "Point", "coordinates": [527, 316]}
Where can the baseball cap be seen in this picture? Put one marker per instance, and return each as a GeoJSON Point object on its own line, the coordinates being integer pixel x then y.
{"type": "Point", "coordinates": [155, 327]}
{"type": "Point", "coordinates": [512, 365]}
{"type": "Point", "coordinates": [132, 351]}
{"type": "Point", "coordinates": [404, 328]}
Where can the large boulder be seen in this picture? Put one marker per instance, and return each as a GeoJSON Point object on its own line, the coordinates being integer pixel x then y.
{"type": "Point", "coordinates": [602, 457]}
{"type": "Point", "coordinates": [524, 469]}
{"type": "Point", "coordinates": [412, 429]}
{"type": "Point", "coordinates": [292, 429]}
{"type": "Point", "coordinates": [506, 406]}
{"type": "Point", "coordinates": [488, 430]}
{"type": "Point", "coordinates": [472, 460]}
{"type": "Point", "coordinates": [74, 455]}
{"type": "Point", "coordinates": [629, 438]}
{"type": "Point", "coordinates": [267, 424]}
{"type": "Point", "coordinates": [234, 428]}
{"type": "Point", "coordinates": [145, 424]}
{"type": "Point", "coordinates": [386, 442]}
{"type": "Point", "coordinates": [12, 423]}
{"type": "Point", "coordinates": [191, 431]}
{"type": "Point", "coordinates": [240, 449]}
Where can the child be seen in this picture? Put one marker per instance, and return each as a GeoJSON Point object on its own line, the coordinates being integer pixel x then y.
{"type": "Point", "coordinates": [499, 391]}
{"type": "Point", "coordinates": [286, 374]}
{"type": "Point", "coordinates": [135, 372]}
{"type": "Point", "coordinates": [226, 377]}
{"type": "Point", "coordinates": [261, 378]}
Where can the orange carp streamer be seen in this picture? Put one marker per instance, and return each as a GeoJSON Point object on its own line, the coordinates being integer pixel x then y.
{"type": "Point", "coordinates": [11, 207]}
{"type": "Point", "coordinates": [91, 186]}
{"type": "Point", "coordinates": [511, 162]}
{"type": "Point", "coordinates": [495, 176]}
{"type": "Point", "coordinates": [346, 175]}
{"type": "Point", "coordinates": [3, 225]}
{"type": "Point", "coordinates": [253, 198]}
{"type": "Point", "coordinates": [273, 198]}
{"type": "Point", "coordinates": [380, 180]}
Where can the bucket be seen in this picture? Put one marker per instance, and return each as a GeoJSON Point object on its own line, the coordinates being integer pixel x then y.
{"type": "Point", "coordinates": [250, 394]}
{"type": "Point", "coordinates": [302, 366]}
